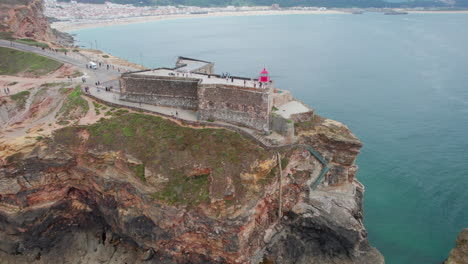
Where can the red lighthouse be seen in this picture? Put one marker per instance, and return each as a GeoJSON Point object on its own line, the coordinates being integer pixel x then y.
{"type": "Point", "coordinates": [264, 78]}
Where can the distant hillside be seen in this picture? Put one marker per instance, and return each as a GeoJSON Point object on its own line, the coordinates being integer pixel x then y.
{"type": "Point", "coordinates": [291, 3]}
{"type": "Point", "coordinates": [24, 19]}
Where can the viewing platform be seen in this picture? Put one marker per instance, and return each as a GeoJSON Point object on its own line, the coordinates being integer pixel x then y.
{"type": "Point", "coordinates": [207, 78]}
{"type": "Point", "coordinates": [191, 85]}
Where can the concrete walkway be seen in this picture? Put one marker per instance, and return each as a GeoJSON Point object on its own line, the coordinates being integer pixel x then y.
{"type": "Point", "coordinates": [291, 108]}
{"type": "Point", "coordinates": [113, 97]}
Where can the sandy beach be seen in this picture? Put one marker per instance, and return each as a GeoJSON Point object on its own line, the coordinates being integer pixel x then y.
{"type": "Point", "coordinates": [68, 26]}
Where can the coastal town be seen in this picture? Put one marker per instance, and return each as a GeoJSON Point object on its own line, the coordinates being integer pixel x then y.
{"type": "Point", "coordinates": [75, 11]}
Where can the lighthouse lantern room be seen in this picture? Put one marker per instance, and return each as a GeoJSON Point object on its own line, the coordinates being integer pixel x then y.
{"type": "Point", "coordinates": [264, 77]}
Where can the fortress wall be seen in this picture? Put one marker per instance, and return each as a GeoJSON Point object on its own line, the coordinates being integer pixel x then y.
{"type": "Point", "coordinates": [234, 105]}
{"type": "Point", "coordinates": [162, 91]}
{"type": "Point", "coordinates": [282, 98]}
{"type": "Point", "coordinates": [282, 125]}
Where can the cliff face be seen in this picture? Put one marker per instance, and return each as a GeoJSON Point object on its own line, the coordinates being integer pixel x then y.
{"type": "Point", "coordinates": [141, 189]}
{"type": "Point", "coordinates": [25, 18]}
{"type": "Point", "coordinates": [459, 254]}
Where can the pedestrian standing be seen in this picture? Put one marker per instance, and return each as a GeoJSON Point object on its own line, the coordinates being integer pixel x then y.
{"type": "Point", "coordinates": [176, 113]}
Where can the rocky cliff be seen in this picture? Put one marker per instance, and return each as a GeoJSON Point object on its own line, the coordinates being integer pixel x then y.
{"type": "Point", "coordinates": [138, 188]}
{"type": "Point", "coordinates": [459, 254]}
{"type": "Point", "coordinates": [25, 19]}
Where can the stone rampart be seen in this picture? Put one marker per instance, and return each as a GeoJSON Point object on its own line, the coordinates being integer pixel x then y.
{"type": "Point", "coordinates": [242, 106]}
{"type": "Point", "coordinates": [281, 98]}
{"type": "Point", "coordinates": [160, 90]}
{"type": "Point", "coordinates": [282, 125]}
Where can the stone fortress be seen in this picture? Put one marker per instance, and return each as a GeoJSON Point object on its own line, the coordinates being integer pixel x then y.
{"type": "Point", "coordinates": [192, 85]}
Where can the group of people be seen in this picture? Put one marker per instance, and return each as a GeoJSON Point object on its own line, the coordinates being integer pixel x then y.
{"type": "Point", "coordinates": [184, 74]}
{"type": "Point", "coordinates": [260, 84]}
{"type": "Point", "coordinates": [100, 64]}
{"type": "Point", "coordinates": [6, 90]}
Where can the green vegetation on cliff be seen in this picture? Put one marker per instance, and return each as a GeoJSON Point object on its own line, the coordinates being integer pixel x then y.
{"type": "Point", "coordinates": [188, 158]}
{"type": "Point", "coordinates": [13, 62]}
{"type": "Point", "coordinates": [74, 106]}
{"type": "Point", "coordinates": [32, 42]}
{"type": "Point", "coordinates": [20, 98]}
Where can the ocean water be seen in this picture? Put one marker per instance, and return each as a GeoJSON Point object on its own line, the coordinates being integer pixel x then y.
{"type": "Point", "coordinates": [399, 82]}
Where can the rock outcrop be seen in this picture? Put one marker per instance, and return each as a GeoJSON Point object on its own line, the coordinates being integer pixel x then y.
{"type": "Point", "coordinates": [142, 189]}
{"type": "Point", "coordinates": [459, 254]}
{"type": "Point", "coordinates": [25, 19]}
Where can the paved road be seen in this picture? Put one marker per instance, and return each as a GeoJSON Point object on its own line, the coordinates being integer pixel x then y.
{"type": "Point", "coordinates": [74, 58]}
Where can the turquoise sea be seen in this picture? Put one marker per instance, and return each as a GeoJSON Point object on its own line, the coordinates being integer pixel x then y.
{"type": "Point", "coordinates": [399, 82]}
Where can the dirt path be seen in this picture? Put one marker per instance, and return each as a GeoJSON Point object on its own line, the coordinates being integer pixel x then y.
{"type": "Point", "coordinates": [91, 116]}
{"type": "Point", "coordinates": [18, 84]}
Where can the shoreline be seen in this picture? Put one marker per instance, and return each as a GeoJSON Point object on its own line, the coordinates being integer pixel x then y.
{"type": "Point", "coordinates": [68, 26]}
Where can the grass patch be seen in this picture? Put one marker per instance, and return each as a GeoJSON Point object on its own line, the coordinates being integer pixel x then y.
{"type": "Point", "coordinates": [74, 106]}
{"type": "Point", "coordinates": [120, 112]}
{"type": "Point", "coordinates": [63, 50]}
{"type": "Point", "coordinates": [284, 163]}
{"type": "Point", "coordinates": [32, 42]}
{"type": "Point", "coordinates": [140, 171]}
{"type": "Point", "coordinates": [190, 191]}
{"type": "Point", "coordinates": [274, 108]}
{"type": "Point", "coordinates": [14, 62]}
{"type": "Point", "coordinates": [12, 83]}
{"type": "Point", "coordinates": [63, 122]}
{"type": "Point", "coordinates": [96, 105]}
{"type": "Point", "coordinates": [105, 56]}
{"type": "Point", "coordinates": [7, 35]}
{"type": "Point", "coordinates": [308, 125]}
{"type": "Point", "coordinates": [20, 98]}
